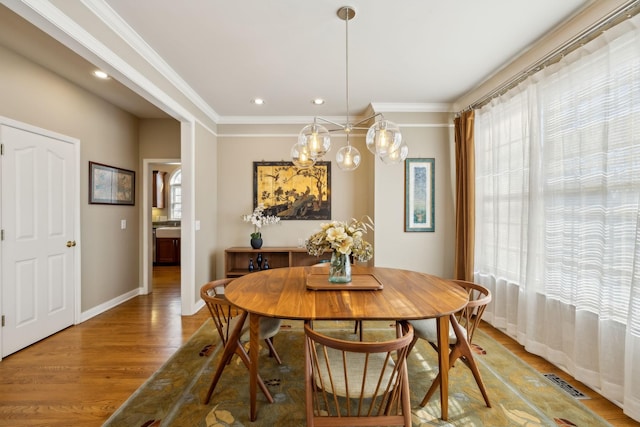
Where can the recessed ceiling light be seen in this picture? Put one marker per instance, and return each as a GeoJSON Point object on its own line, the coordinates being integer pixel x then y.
{"type": "Point", "coordinates": [318, 101]}
{"type": "Point", "coordinates": [101, 74]}
{"type": "Point", "coordinates": [258, 101]}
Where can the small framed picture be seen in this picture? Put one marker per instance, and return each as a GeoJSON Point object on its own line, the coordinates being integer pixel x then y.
{"type": "Point", "coordinates": [419, 190]}
{"type": "Point", "coordinates": [109, 185]}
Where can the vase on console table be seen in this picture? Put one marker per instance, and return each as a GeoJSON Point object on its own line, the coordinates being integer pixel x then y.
{"type": "Point", "coordinates": [256, 242]}
{"type": "Point", "coordinates": [339, 268]}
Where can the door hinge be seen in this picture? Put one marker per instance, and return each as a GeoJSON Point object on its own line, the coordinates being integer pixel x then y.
{"type": "Point", "coordinates": [1, 234]}
{"type": "Point", "coordinates": [1, 149]}
{"type": "Point", "coordinates": [3, 320]}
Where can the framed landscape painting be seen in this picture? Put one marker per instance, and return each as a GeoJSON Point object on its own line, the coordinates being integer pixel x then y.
{"type": "Point", "coordinates": [419, 195]}
{"type": "Point", "coordinates": [290, 192]}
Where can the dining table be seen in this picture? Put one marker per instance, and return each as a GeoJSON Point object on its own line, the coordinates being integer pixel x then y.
{"type": "Point", "coordinates": [375, 293]}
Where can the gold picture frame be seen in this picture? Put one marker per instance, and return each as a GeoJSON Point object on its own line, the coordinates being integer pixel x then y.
{"type": "Point", "coordinates": [292, 193]}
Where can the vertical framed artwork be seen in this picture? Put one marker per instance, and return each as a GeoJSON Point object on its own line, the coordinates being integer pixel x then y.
{"type": "Point", "coordinates": [109, 185]}
{"type": "Point", "coordinates": [293, 193]}
{"type": "Point", "coordinates": [419, 190]}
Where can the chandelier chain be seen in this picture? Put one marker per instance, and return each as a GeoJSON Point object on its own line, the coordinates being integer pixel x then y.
{"type": "Point", "coordinates": [347, 61]}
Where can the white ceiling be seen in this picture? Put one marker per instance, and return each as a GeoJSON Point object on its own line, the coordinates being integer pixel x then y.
{"type": "Point", "coordinates": [289, 52]}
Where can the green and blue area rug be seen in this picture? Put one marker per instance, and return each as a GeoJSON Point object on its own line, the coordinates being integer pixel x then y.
{"type": "Point", "coordinates": [173, 396]}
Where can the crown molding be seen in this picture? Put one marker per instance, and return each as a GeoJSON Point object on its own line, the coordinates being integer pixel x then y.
{"type": "Point", "coordinates": [123, 30]}
{"type": "Point", "coordinates": [391, 107]}
{"type": "Point", "coordinates": [283, 120]}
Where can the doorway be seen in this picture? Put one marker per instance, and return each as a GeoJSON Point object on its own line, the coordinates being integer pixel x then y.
{"type": "Point", "coordinates": [166, 219]}
{"type": "Point", "coordinates": [161, 221]}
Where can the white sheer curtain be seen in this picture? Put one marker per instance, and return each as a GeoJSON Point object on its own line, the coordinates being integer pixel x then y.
{"type": "Point", "coordinates": [558, 213]}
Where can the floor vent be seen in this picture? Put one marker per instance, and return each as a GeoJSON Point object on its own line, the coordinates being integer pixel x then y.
{"type": "Point", "coordinates": [566, 387]}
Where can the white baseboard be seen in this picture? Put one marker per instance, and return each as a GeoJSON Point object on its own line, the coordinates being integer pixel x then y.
{"type": "Point", "coordinates": [86, 315]}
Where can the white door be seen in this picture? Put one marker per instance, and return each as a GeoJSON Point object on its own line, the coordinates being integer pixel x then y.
{"type": "Point", "coordinates": [37, 220]}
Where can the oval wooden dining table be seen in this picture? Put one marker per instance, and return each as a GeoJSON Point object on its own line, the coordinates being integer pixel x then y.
{"type": "Point", "coordinates": [404, 295]}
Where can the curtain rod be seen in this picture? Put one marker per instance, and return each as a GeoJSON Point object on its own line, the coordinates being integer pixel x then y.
{"type": "Point", "coordinates": [619, 15]}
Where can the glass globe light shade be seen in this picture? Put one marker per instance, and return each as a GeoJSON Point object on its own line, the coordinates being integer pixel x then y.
{"type": "Point", "coordinates": [300, 156]}
{"type": "Point", "coordinates": [383, 137]}
{"type": "Point", "coordinates": [396, 156]}
{"type": "Point", "coordinates": [348, 158]}
{"type": "Point", "coordinates": [316, 138]}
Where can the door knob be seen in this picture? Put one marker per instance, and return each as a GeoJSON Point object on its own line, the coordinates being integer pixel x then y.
{"type": "Point", "coordinates": [71, 243]}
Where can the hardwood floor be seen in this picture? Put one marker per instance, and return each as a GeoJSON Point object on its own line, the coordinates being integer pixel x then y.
{"type": "Point", "coordinates": [81, 375]}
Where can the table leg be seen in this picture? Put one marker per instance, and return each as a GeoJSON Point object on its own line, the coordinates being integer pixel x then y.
{"type": "Point", "coordinates": [443, 363]}
{"type": "Point", "coordinates": [254, 340]}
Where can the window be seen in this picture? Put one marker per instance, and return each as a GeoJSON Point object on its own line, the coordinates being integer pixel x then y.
{"type": "Point", "coordinates": [175, 195]}
{"type": "Point", "coordinates": [558, 180]}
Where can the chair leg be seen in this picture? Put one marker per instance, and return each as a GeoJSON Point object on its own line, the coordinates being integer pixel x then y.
{"type": "Point", "coordinates": [462, 350]}
{"type": "Point", "coordinates": [453, 356]}
{"type": "Point", "coordinates": [272, 350]}
{"type": "Point", "coordinates": [413, 343]}
{"type": "Point", "coordinates": [358, 328]}
{"type": "Point", "coordinates": [471, 363]}
{"type": "Point", "coordinates": [227, 354]}
{"type": "Point", "coordinates": [242, 353]}
{"type": "Point", "coordinates": [233, 346]}
{"type": "Point", "coordinates": [432, 390]}
{"type": "Point", "coordinates": [226, 358]}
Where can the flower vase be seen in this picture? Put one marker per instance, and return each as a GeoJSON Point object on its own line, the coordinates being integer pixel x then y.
{"type": "Point", "coordinates": [256, 243]}
{"type": "Point", "coordinates": [339, 268]}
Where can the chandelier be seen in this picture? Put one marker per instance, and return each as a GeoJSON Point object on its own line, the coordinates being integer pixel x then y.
{"type": "Point", "coordinates": [383, 138]}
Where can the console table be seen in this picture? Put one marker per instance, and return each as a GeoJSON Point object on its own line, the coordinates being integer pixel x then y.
{"type": "Point", "coordinates": [236, 259]}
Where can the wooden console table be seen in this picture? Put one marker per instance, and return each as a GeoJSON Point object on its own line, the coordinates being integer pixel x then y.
{"type": "Point", "coordinates": [236, 259]}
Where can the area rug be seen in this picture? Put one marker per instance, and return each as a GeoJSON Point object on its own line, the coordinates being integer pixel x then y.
{"type": "Point", "coordinates": [173, 396]}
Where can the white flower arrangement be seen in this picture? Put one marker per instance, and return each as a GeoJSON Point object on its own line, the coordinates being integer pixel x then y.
{"type": "Point", "coordinates": [259, 220]}
{"type": "Point", "coordinates": [345, 238]}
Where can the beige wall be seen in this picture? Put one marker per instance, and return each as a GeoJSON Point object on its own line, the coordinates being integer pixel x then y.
{"type": "Point", "coordinates": [240, 146]}
{"type": "Point", "coordinates": [206, 208]}
{"type": "Point", "coordinates": [428, 135]}
{"type": "Point", "coordinates": [33, 95]}
{"type": "Point", "coordinates": [352, 193]}
{"type": "Point", "coordinates": [160, 139]}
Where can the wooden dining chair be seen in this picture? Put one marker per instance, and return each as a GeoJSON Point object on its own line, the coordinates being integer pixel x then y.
{"type": "Point", "coordinates": [232, 327]}
{"type": "Point", "coordinates": [357, 383]}
{"type": "Point", "coordinates": [463, 325]}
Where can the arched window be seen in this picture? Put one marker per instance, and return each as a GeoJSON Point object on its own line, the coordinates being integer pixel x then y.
{"type": "Point", "coordinates": [175, 195]}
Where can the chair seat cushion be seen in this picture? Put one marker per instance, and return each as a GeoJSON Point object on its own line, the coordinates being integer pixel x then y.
{"type": "Point", "coordinates": [269, 327]}
{"type": "Point", "coordinates": [355, 361]}
{"type": "Point", "coordinates": [427, 329]}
